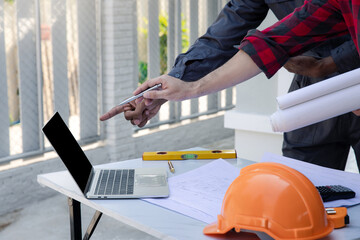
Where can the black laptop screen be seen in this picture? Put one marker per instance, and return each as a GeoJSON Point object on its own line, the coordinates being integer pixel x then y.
{"type": "Point", "coordinates": [68, 150]}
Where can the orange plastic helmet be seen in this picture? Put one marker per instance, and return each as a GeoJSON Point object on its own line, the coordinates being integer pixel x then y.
{"type": "Point", "coordinates": [273, 199]}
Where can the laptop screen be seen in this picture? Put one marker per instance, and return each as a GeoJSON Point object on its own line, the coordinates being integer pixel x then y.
{"type": "Point", "coordinates": [68, 150]}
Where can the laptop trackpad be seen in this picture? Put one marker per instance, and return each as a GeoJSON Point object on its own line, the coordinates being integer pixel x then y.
{"type": "Point", "coordinates": [150, 180]}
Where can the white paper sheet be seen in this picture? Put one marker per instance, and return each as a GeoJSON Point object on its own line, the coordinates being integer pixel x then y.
{"type": "Point", "coordinates": [321, 176]}
{"type": "Point", "coordinates": [316, 110]}
{"type": "Point", "coordinates": [322, 88]}
{"type": "Point", "coordinates": [199, 192]}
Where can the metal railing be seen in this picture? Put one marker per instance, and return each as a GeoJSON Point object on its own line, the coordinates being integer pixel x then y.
{"type": "Point", "coordinates": [185, 23]}
{"type": "Point", "coordinates": [50, 60]}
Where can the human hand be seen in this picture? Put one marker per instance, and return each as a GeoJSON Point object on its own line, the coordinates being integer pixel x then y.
{"type": "Point", "coordinates": [140, 114]}
{"type": "Point", "coordinates": [115, 111]}
{"type": "Point", "coordinates": [137, 113]}
{"type": "Point", "coordinates": [172, 89]}
{"type": "Point", "coordinates": [357, 112]}
{"type": "Point", "coordinates": [310, 66]}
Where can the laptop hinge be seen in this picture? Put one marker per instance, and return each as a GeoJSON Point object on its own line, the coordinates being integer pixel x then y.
{"type": "Point", "coordinates": [90, 179]}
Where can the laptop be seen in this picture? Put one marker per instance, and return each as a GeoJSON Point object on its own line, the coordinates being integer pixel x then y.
{"type": "Point", "coordinates": [98, 183]}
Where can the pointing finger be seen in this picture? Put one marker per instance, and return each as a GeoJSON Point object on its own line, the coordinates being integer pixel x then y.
{"type": "Point", "coordinates": [114, 111]}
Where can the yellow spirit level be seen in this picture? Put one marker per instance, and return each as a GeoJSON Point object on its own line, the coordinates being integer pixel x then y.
{"type": "Point", "coordinates": [185, 155]}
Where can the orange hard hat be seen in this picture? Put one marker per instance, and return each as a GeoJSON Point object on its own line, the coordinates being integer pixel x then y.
{"type": "Point", "coordinates": [273, 199]}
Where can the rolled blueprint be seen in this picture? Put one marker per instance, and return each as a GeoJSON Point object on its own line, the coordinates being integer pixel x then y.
{"type": "Point", "coordinates": [317, 109]}
{"type": "Point", "coordinates": [319, 89]}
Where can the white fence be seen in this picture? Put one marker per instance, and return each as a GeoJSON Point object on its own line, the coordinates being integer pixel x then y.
{"type": "Point", "coordinates": [52, 55]}
{"type": "Point", "coordinates": [49, 57]}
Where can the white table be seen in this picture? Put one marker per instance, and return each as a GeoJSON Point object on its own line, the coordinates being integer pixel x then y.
{"type": "Point", "coordinates": [152, 219]}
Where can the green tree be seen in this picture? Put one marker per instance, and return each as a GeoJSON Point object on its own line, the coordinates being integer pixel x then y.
{"type": "Point", "coordinates": [163, 32]}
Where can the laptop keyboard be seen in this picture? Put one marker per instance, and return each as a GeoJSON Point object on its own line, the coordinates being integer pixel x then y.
{"type": "Point", "coordinates": [115, 182]}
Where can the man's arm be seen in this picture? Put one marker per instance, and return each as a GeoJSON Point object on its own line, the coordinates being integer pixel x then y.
{"type": "Point", "coordinates": [297, 33]}
{"type": "Point", "coordinates": [237, 70]}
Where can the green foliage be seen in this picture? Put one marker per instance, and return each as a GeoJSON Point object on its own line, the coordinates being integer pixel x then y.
{"type": "Point", "coordinates": [163, 32]}
{"type": "Point", "coordinates": [142, 71]}
{"type": "Point", "coordinates": [163, 21]}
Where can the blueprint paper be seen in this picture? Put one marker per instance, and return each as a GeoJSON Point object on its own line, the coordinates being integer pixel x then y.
{"type": "Point", "coordinates": [321, 176]}
{"type": "Point", "coordinates": [316, 110]}
{"type": "Point", "coordinates": [319, 89]}
{"type": "Point", "coordinates": [199, 193]}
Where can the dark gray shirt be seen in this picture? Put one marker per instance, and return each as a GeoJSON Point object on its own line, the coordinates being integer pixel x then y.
{"type": "Point", "coordinates": [216, 46]}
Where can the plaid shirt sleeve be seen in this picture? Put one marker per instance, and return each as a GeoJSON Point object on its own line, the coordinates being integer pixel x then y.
{"type": "Point", "coordinates": [307, 27]}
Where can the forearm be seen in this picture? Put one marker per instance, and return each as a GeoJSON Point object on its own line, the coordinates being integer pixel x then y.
{"type": "Point", "coordinates": [237, 70]}
{"type": "Point", "coordinates": [271, 48]}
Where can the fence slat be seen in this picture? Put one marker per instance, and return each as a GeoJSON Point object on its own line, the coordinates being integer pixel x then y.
{"type": "Point", "coordinates": [171, 35]}
{"type": "Point", "coordinates": [171, 44]}
{"type": "Point", "coordinates": [194, 34]}
{"type": "Point", "coordinates": [176, 106]}
{"type": "Point", "coordinates": [153, 39]}
{"type": "Point", "coordinates": [153, 43]}
{"type": "Point", "coordinates": [87, 68]}
{"type": "Point", "coordinates": [4, 109]}
{"type": "Point", "coordinates": [29, 94]}
{"type": "Point", "coordinates": [212, 5]}
{"type": "Point", "coordinates": [60, 58]}
{"type": "Point", "coordinates": [229, 98]}
{"type": "Point", "coordinates": [178, 32]}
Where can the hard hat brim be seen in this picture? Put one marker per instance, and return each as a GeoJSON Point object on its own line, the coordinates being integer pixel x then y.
{"type": "Point", "coordinates": [213, 229]}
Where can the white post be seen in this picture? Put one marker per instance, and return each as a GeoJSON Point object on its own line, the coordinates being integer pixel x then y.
{"type": "Point", "coordinates": [119, 48]}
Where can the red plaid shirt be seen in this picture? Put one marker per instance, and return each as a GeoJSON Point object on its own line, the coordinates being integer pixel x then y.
{"type": "Point", "coordinates": [307, 27]}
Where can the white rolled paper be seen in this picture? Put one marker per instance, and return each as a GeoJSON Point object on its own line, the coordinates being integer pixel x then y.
{"type": "Point", "coordinates": [318, 109]}
{"type": "Point", "coordinates": [319, 89]}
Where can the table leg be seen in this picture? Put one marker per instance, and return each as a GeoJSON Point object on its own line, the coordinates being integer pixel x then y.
{"type": "Point", "coordinates": [94, 221]}
{"type": "Point", "coordinates": [75, 219]}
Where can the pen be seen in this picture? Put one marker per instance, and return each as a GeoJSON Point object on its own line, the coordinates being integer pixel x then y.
{"type": "Point", "coordinates": [171, 167]}
{"type": "Point", "coordinates": [140, 94]}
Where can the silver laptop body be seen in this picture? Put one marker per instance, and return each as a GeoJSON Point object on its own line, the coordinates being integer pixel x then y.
{"type": "Point", "coordinates": [103, 183]}
{"type": "Point", "coordinates": [145, 182]}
